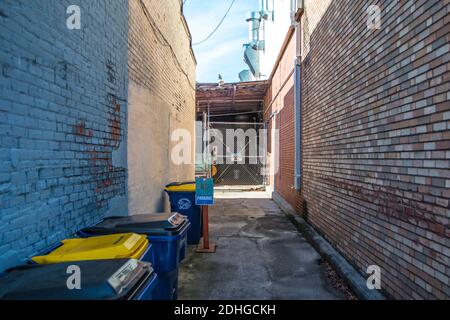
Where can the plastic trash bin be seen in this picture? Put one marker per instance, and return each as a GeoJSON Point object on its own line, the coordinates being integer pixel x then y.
{"type": "Point", "coordinates": [182, 200]}
{"type": "Point", "coordinates": [117, 246]}
{"type": "Point", "coordinates": [118, 279]}
{"type": "Point", "coordinates": [167, 234]}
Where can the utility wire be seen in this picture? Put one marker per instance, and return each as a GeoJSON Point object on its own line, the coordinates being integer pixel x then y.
{"type": "Point", "coordinates": [220, 23]}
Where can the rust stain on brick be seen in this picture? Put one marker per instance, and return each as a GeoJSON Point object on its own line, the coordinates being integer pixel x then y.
{"type": "Point", "coordinates": [79, 129]}
{"type": "Point", "coordinates": [109, 181]}
{"type": "Point", "coordinates": [111, 71]}
{"type": "Point", "coordinates": [115, 122]}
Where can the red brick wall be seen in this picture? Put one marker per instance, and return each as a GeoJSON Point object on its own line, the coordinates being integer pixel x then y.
{"type": "Point", "coordinates": [376, 140]}
{"type": "Point", "coordinates": [280, 99]}
{"type": "Point", "coordinates": [287, 148]}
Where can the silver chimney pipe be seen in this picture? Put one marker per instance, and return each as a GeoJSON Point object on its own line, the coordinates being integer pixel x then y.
{"type": "Point", "coordinates": [254, 21]}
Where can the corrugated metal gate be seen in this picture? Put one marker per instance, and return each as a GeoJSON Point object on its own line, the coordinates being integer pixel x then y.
{"type": "Point", "coordinates": [242, 162]}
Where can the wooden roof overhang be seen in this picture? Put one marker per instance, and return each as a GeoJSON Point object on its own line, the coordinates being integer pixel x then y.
{"type": "Point", "coordinates": [237, 97]}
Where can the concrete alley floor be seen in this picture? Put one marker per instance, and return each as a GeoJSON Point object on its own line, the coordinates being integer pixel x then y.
{"type": "Point", "coordinates": [260, 255]}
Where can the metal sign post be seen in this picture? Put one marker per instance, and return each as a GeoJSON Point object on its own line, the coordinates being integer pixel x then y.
{"type": "Point", "coordinates": [204, 196]}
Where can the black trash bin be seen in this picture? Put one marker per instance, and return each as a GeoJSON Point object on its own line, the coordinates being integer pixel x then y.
{"type": "Point", "coordinates": [118, 279]}
{"type": "Point", "coordinates": [166, 232]}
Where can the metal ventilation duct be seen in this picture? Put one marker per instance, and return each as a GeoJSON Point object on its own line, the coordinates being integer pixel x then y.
{"type": "Point", "coordinates": [245, 76]}
{"type": "Point", "coordinates": [254, 22]}
{"type": "Point", "coordinates": [251, 57]}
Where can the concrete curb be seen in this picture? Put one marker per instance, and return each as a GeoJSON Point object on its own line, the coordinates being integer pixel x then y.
{"type": "Point", "coordinates": [350, 275]}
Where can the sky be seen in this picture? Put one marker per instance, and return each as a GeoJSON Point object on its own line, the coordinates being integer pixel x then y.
{"type": "Point", "coordinates": [223, 52]}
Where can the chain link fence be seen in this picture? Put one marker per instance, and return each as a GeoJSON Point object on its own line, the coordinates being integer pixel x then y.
{"type": "Point", "coordinates": [239, 150]}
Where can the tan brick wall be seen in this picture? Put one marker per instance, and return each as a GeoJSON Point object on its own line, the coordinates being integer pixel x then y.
{"type": "Point", "coordinates": [160, 56]}
{"type": "Point", "coordinates": [376, 139]}
{"type": "Point", "coordinates": [161, 99]}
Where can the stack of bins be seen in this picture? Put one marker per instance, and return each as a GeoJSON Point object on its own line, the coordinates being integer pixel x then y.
{"type": "Point", "coordinates": [182, 200]}
{"type": "Point", "coordinates": [118, 279]}
{"type": "Point", "coordinates": [167, 234]}
{"type": "Point", "coordinates": [118, 246]}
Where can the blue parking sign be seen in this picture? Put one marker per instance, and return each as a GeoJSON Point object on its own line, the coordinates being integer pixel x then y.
{"type": "Point", "coordinates": [204, 191]}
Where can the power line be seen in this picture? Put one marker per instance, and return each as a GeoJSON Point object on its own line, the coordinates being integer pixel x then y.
{"type": "Point", "coordinates": [220, 23]}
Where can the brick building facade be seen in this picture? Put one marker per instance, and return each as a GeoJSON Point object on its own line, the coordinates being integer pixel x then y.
{"type": "Point", "coordinates": [279, 115]}
{"type": "Point", "coordinates": [375, 138]}
{"type": "Point", "coordinates": [67, 103]}
{"type": "Point", "coordinates": [161, 100]}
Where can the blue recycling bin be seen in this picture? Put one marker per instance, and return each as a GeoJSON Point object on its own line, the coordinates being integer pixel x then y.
{"type": "Point", "coordinates": [182, 200]}
{"type": "Point", "coordinates": [118, 279]}
{"type": "Point", "coordinates": [167, 233]}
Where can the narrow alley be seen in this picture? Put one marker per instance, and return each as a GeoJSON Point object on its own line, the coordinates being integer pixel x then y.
{"type": "Point", "coordinates": [260, 255]}
{"type": "Point", "coordinates": [208, 150]}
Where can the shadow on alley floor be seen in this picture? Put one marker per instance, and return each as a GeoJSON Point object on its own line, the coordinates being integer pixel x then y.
{"type": "Point", "coordinates": [260, 255]}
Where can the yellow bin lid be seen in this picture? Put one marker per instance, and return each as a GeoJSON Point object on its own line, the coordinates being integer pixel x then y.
{"type": "Point", "coordinates": [188, 187]}
{"type": "Point", "coordinates": [116, 246]}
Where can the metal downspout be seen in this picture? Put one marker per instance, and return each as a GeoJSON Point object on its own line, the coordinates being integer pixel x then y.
{"type": "Point", "coordinates": [298, 111]}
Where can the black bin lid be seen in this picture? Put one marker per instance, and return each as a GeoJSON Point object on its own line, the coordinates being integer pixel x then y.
{"type": "Point", "coordinates": [163, 224]}
{"type": "Point", "coordinates": [115, 279]}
